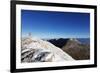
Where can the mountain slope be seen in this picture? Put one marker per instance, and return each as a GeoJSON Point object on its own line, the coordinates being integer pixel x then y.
{"type": "Point", "coordinates": [37, 50]}
{"type": "Point", "coordinates": [77, 50]}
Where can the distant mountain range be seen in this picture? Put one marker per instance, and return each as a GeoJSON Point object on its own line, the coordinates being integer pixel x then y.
{"type": "Point", "coordinates": [60, 42]}
{"type": "Point", "coordinates": [78, 48]}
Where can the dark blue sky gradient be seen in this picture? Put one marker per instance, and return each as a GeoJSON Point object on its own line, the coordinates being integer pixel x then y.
{"type": "Point", "coordinates": [49, 24]}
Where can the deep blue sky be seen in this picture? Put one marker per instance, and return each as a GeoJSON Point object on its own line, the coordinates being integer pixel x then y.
{"type": "Point", "coordinates": [49, 24]}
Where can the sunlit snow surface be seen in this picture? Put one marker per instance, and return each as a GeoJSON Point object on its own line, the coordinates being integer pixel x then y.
{"type": "Point", "coordinates": [37, 50]}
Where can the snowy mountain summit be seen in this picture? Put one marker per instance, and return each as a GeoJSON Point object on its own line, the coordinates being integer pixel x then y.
{"type": "Point", "coordinates": [37, 50]}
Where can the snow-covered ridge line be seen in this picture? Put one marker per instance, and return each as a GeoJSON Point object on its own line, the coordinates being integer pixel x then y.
{"type": "Point", "coordinates": [43, 50]}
